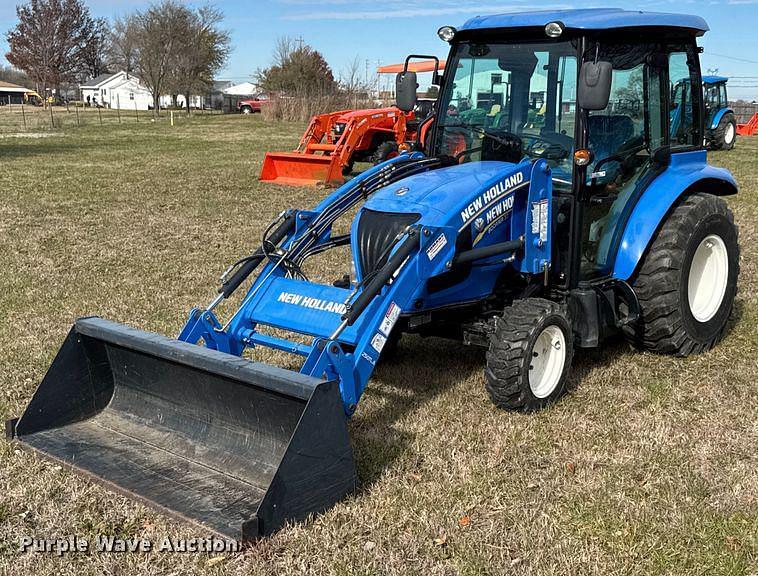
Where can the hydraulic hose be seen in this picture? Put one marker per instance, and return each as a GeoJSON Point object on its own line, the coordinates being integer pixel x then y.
{"type": "Point", "coordinates": [251, 263]}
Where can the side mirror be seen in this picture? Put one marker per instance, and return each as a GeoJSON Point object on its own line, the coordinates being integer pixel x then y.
{"type": "Point", "coordinates": [406, 87]}
{"type": "Point", "coordinates": [594, 90]}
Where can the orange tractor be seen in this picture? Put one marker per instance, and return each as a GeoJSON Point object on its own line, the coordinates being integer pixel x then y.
{"type": "Point", "coordinates": [334, 142]}
{"type": "Point", "coordinates": [749, 129]}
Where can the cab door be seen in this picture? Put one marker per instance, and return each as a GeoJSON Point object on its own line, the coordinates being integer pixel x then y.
{"type": "Point", "coordinates": [623, 139]}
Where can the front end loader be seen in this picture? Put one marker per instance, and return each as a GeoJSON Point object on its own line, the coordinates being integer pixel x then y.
{"type": "Point", "coordinates": [333, 142]}
{"type": "Point", "coordinates": [549, 207]}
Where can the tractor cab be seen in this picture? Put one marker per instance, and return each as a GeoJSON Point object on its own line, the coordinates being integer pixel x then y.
{"type": "Point", "coordinates": [594, 101]}
{"type": "Point", "coordinates": [720, 122]}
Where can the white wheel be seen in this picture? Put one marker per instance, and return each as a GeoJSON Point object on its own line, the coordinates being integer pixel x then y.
{"type": "Point", "coordinates": [247, 110]}
{"type": "Point", "coordinates": [709, 273]}
{"type": "Point", "coordinates": [548, 360]}
{"type": "Point", "coordinates": [729, 134]}
{"type": "Point", "coordinates": [530, 354]}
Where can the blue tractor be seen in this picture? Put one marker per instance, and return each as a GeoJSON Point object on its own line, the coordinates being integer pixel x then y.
{"type": "Point", "coordinates": [545, 207]}
{"type": "Point", "coordinates": [720, 122]}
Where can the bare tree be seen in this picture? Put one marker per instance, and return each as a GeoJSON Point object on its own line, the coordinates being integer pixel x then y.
{"type": "Point", "coordinates": [123, 53]}
{"type": "Point", "coordinates": [159, 32]}
{"type": "Point", "coordinates": [96, 53]}
{"type": "Point", "coordinates": [283, 50]}
{"type": "Point", "coordinates": [203, 52]}
{"type": "Point", "coordinates": [350, 78]}
{"type": "Point", "coordinates": [8, 74]}
{"type": "Point", "coordinates": [50, 40]}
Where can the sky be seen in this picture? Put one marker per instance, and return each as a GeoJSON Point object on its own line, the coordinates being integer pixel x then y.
{"type": "Point", "coordinates": [385, 31]}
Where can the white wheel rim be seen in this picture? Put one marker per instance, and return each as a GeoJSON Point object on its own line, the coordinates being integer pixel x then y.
{"type": "Point", "coordinates": [709, 274]}
{"type": "Point", "coordinates": [548, 360]}
{"type": "Point", "coordinates": [729, 134]}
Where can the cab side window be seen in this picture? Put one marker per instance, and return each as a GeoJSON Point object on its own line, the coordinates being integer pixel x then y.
{"type": "Point", "coordinates": [683, 117]}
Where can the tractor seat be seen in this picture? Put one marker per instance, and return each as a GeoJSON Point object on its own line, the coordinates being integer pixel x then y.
{"type": "Point", "coordinates": [609, 133]}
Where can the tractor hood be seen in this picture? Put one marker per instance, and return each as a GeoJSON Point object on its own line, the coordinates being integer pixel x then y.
{"type": "Point", "coordinates": [438, 194]}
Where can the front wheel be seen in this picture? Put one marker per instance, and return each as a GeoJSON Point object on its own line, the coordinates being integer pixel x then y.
{"type": "Point", "coordinates": [385, 151]}
{"type": "Point", "coordinates": [687, 282]}
{"type": "Point", "coordinates": [246, 110]}
{"type": "Point", "coordinates": [529, 356]}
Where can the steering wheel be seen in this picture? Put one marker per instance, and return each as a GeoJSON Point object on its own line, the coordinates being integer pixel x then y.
{"type": "Point", "coordinates": [542, 147]}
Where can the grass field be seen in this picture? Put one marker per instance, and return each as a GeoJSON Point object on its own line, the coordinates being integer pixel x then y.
{"type": "Point", "coordinates": [648, 466]}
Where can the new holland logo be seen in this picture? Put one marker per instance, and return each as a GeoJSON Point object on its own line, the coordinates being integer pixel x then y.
{"type": "Point", "coordinates": [479, 224]}
{"type": "Point", "coordinates": [492, 195]}
{"type": "Point", "coordinates": [402, 191]}
{"type": "Point", "coordinates": [312, 303]}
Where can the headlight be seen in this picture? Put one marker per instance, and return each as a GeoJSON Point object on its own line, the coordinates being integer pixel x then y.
{"type": "Point", "coordinates": [446, 33]}
{"type": "Point", "coordinates": [554, 29]}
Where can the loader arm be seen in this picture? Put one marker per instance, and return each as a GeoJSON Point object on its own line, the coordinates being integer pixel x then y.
{"type": "Point", "coordinates": [349, 327]}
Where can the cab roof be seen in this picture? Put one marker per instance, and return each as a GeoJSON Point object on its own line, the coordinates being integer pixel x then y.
{"type": "Point", "coordinates": [714, 79]}
{"type": "Point", "coordinates": [590, 19]}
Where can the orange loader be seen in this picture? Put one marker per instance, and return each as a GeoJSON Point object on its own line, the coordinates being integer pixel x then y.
{"type": "Point", "coordinates": [334, 142]}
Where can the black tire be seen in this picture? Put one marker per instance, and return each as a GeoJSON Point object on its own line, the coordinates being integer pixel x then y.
{"type": "Point", "coordinates": [512, 352]}
{"type": "Point", "coordinates": [667, 324]}
{"type": "Point", "coordinates": [385, 151]}
{"type": "Point", "coordinates": [727, 128]}
{"type": "Point", "coordinates": [347, 170]}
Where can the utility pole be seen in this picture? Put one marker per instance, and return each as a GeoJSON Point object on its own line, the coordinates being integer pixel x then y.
{"type": "Point", "coordinates": [300, 42]}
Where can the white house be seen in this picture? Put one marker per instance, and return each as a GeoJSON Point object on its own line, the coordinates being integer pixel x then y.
{"type": "Point", "coordinates": [118, 90]}
{"type": "Point", "coordinates": [244, 89]}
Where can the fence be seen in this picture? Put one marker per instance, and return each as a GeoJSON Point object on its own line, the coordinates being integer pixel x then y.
{"type": "Point", "coordinates": [22, 117]}
{"type": "Point", "coordinates": [744, 111]}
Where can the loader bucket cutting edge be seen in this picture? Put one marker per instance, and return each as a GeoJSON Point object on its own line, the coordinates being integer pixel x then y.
{"type": "Point", "coordinates": [297, 169]}
{"type": "Point", "coordinates": [232, 445]}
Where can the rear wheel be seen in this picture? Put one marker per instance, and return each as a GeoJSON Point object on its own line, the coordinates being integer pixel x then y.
{"type": "Point", "coordinates": [385, 151]}
{"type": "Point", "coordinates": [688, 280]}
{"type": "Point", "coordinates": [725, 135]}
{"type": "Point", "coordinates": [529, 356]}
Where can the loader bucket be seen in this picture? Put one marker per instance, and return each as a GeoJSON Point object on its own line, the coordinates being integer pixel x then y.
{"type": "Point", "coordinates": [235, 446]}
{"type": "Point", "coordinates": [296, 169]}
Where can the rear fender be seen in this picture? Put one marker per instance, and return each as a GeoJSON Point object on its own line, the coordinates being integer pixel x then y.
{"type": "Point", "coordinates": [687, 173]}
{"type": "Point", "coordinates": [719, 115]}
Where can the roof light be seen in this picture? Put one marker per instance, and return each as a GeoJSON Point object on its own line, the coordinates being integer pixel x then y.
{"type": "Point", "coordinates": [447, 33]}
{"type": "Point", "coordinates": [554, 29]}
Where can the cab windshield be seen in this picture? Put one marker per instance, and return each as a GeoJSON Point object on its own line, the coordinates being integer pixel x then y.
{"type": "Point", "coordinates": [510, 101]}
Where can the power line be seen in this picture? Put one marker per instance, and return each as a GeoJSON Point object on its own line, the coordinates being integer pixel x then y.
{"type": "Point", "coordinates": [731, 57]}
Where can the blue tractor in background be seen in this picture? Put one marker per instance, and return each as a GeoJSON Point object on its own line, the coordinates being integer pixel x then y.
{"type": "Point", "coordinates": [720, 121]}
{"type": "Point", "coordinates": [720, 131]}
{"type": "Point", "coordinates": [548, 205]}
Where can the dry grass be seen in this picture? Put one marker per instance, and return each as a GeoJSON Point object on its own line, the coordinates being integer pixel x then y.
{"type": "Point", "coordinates": [649, 465]}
